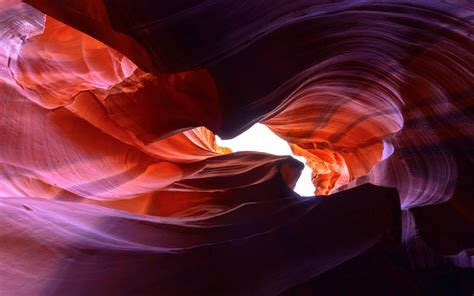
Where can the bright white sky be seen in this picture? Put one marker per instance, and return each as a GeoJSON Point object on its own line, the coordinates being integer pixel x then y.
{"type": "Point", "coordinates": [261, 138]}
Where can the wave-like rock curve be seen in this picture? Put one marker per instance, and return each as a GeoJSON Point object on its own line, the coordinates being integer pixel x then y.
{"type": "Point", "coordinates": [109, 110]}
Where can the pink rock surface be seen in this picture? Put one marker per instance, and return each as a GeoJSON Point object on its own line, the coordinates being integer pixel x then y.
{"type": "Point", "coordinates": [111, 181]}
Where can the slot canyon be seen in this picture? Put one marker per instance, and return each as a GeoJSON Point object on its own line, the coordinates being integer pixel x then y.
{"type": "Point", "coordinates": [112, 181]}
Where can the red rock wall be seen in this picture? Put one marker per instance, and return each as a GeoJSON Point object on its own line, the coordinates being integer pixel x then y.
{"type": "Point", "coordinates": [109, 110]}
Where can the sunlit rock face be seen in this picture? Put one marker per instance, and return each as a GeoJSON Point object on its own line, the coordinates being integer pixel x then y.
{"type": "Point", "coordinates": [111, 180]}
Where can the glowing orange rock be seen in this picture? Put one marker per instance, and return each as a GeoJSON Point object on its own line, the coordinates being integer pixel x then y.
{"type": "Point", "coordinates": [116, 136]}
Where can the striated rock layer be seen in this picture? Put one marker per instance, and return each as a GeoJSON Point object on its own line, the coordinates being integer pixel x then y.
{"type": "Point", "coordinates": [111, 181]}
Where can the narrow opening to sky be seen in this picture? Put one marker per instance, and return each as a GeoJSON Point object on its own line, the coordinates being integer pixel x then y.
{"type": "Point", "coordinates": [260, 138]}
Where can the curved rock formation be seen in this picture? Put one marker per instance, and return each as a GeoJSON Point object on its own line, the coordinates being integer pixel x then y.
{"type": "Point", "coordinates": [111, 181]}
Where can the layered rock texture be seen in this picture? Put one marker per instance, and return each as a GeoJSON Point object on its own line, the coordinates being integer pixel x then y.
{"type": "Point", "coordinates": [111, 181]}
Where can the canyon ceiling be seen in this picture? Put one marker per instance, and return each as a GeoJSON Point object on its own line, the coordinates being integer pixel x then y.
{"type": "Point", "coordinates": [111, 181]}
